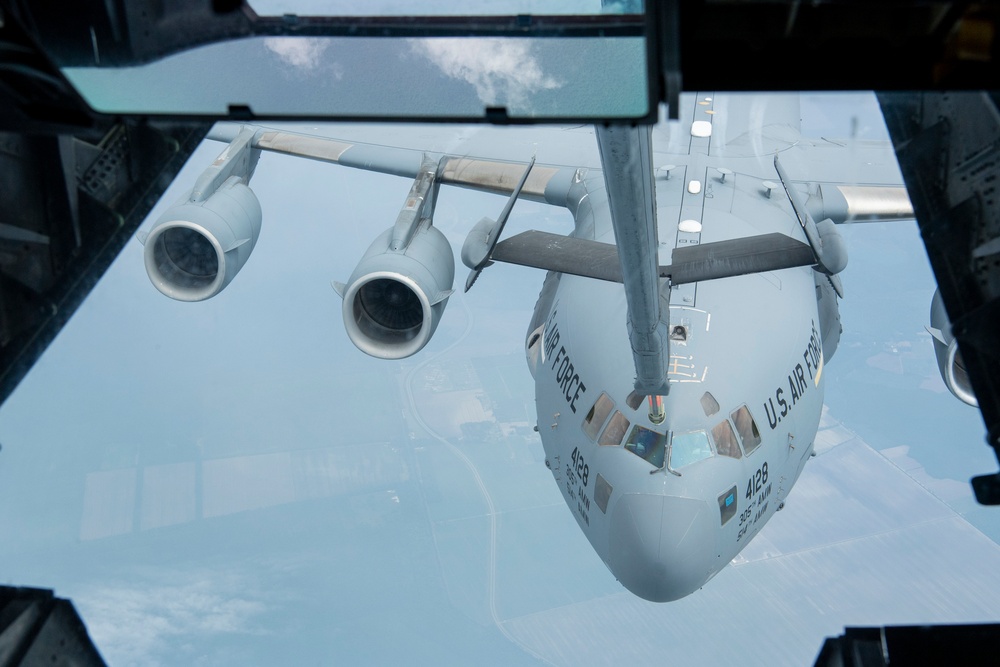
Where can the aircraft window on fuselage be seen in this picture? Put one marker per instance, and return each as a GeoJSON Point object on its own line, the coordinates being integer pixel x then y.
{"type": "Point", "coordinates": [688, 448]}
{"type": "Point", "coordinates": [598, 414]}
{"type": "Point", "coordinates": [747, 428]}
{"type": "Point", "coordinates": [709, 404]}
{"type": "Point", "coordinates": [602, 492]}
{"type": "Point", "coordinates": [615, 431]}
{"type": "Point", "coordinates": [725, 440]}
{"type": "Point", "coordinates": [647, 444]}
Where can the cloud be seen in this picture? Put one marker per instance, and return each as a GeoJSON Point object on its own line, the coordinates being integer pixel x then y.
{"type": "Point", "coordinates": [503, 71]}
{"type": "Point", "coordinates": [143, 623]}
{"type": "Point", "coordinates": [301, 52]}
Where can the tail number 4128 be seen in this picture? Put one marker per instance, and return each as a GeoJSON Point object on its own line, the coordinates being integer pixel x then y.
{"type": "Point", "coordinates": [756, 482]}
{"type": "Point", "coordinates": [581, 468]}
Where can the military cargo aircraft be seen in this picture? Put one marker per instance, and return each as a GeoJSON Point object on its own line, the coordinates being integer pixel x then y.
{"type": "Point", "coordinates": [680, 340]}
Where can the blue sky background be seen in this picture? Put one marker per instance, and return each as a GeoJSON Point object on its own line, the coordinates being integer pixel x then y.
{"type": "Point", "coordinates": [232, 482]}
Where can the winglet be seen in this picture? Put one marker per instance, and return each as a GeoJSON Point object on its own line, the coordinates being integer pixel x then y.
{"type": "Point", "coordinates": [479, 244]}
{"type": "Point", "coordinates": [826, 242]}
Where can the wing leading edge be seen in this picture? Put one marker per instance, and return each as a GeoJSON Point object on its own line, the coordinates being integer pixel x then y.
{"type": "Point", "coordinates": [545, 183]}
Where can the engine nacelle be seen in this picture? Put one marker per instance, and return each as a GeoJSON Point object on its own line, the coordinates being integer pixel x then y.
{"type": "Point", "coordinates": [394, 299]}
{"type": "Point", "coordinates": [196, 248]}
{"type": "Point", "coordinates": [949, 359]}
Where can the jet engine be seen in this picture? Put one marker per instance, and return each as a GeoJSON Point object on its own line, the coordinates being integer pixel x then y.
{"type": "Point", "coordinates": [949, 358]}
{"type": "Point", "coordinates": [394, 299]}
{"type": "Point", "coordinates": [196, 248]}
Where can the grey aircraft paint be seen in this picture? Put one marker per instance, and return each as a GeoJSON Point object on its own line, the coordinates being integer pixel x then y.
{"type": "Point", "coordinates": [665, 502]}
{"type": "Point", "coordinates": [752, 342]}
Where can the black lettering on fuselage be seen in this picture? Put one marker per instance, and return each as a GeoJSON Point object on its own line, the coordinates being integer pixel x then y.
{"type": "Point", "coordinates": [772, 419]}
{"type": "Point", "coordinates": [800, 376]}
{"type": "Point", "coordinates": [567, 377]}
{"type": "Point", "coordinates": [551, 335]}
{"type": "Point", "coordinates": [793, 387]}
{"type": "Point", "coordinates": [797, 384]}
{"type": "Point", "coordinates": [562, 351]}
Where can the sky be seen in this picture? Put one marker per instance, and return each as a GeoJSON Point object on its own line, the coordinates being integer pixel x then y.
{"type": "Point", "coordinates": [232, 482]}
{"type": "Point", "coordinates": [379, 77]}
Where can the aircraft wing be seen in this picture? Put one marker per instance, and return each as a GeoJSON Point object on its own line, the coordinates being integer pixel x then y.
{"type": "Point", "coordinates": [850, 181]}
{"type": "Point", "coordinates": [498, 176]}
{"type": "Point", "coordinates": [405, 278]}
{"type": "Point", "coordinates": [859, 180]}
{"type": "Point", "coordinates": [855, 180]}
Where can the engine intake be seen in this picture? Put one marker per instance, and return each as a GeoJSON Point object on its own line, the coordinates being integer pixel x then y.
{"type": "Point", "coordinates": [195, 249]}
{"type": "Point", "coordinates": [949, 358]}
{"type": "Point", "coordinates": [394, 300]}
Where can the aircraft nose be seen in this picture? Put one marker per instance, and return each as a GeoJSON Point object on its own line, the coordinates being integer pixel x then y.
{"type": "Point", "coordinates": [662, 547]}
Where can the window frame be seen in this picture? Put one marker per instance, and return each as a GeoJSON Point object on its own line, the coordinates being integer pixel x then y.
{"type": "Point", "coordinates": [585, 425]}
{"type": "Point", "coordinates": [747, 451]}
{"type": "Point", "coordinates": [607, 430]}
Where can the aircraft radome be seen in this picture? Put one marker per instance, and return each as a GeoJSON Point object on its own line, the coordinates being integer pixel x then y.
{"type": "Point", "coordinates": [681, 339]}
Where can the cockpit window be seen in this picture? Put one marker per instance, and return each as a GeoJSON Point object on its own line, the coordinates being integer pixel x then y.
{"type": "Point", "coordinates": [598, 414]}
{"type": "Point", "coordinates": [709, 404]}
{"type": "Point", "coordinates": [688, 448]}
{"type": "Point", "coordinates": [747, 428]}
{"type": "Point", "coordinates": [647, 444]}
{"type": "Point", "coordinates": [725, 440]}
{"type": "Point", "coordinates": [615, 431]}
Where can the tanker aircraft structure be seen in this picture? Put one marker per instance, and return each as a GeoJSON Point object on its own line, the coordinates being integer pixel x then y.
{"type": "Point", "coordinates": [680, 342]}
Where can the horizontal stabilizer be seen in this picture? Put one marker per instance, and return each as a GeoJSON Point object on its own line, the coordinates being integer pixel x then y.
{"type": "Point", "coordinates": [564, 254]}
{"type": "Point", "coordinates": [707, 261]}
{"type": "Point", "coordinates": [737, 257]}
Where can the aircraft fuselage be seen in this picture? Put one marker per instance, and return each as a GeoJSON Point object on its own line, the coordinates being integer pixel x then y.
{"type": "Point", "coordinates": [668, 505]}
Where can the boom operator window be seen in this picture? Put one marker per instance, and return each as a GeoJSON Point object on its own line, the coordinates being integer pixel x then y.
{"type": "Point", "coordinates": [615, 431]}
{"type": "Point", "coordinates": [688, 448]}
{"type": "Point", "coordinates": [598, 414]}
{"type": "Point", "coordinates": [647, 444]}
{"type": "Point", "coordinates": [747, 428]}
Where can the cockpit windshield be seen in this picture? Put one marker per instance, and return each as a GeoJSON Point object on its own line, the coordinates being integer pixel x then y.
{"type": "Point", "coordinates": [688, 448]}
{"type": "Point", "coordinates": [647, 444]}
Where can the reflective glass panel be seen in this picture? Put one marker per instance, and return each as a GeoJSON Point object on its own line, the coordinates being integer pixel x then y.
{"type": "Point", "coordinates": [615, 431]}
{"type": "Point", "coordinates": [725, 440]}
{"type": "Point", "coordinates": [688, 448]}
{"type": "Point", "coordinates": [410, 8]}
{"type": "Point", "coordinates": [598, 414]}
{"type": "Point", "coordinates": [383, 78]}
{"type": "Point", "coordinates": [747, 428]}
{"type": "Point", "coordinates": [602, 493]}
{"type": "Point", "coordinates": [709, 404]}
{"type": "Point", "coordinates": [647, 444]}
